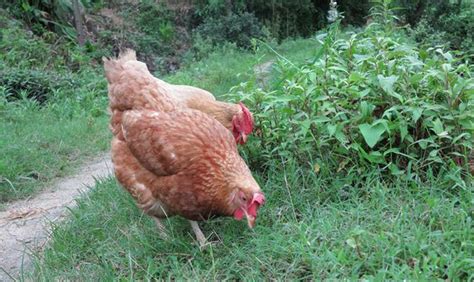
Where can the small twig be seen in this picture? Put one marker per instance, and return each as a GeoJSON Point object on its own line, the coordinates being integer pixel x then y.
{"type": "Point", "coordinates": [289, 192]}
{"type": "Point", "coordinates": [278, 54]}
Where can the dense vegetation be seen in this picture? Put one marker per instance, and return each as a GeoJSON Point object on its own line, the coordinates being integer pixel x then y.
{"type": "Point", "coordinates": [363, 143]}
{"type": "Point", "coordinates": [170, 33]}
{"type": "Point", "coordinates": [368, 99]}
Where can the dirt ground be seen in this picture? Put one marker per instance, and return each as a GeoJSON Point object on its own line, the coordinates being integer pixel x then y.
{"type": "Point", "coordinates": [25, 224]}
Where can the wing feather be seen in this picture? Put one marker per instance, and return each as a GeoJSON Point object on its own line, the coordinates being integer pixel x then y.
{"type": "Point", "coordinates": [167, 143]}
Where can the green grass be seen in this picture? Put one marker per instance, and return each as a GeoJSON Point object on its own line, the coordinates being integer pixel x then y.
{"type": "Point", "coordinates": [37, 145]}
{"type": "Point", "coordinates": [228, 67]}
{"type": "Point", "coordinates": [312, 227]}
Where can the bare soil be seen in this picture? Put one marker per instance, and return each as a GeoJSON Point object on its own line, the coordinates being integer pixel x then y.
{"type": "Point", "coordinates": [25, 225]}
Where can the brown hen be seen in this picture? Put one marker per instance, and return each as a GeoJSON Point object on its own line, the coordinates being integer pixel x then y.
{"type": "Point", "coordinates": [174, 160]}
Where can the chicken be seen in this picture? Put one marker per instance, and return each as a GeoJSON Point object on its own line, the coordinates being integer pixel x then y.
{"type": "Point", "coordinates": [174, 160]}
{"type": "Point", "coordinates": [235, 117]}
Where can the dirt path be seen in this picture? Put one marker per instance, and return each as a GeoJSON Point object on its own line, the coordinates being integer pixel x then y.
{"type": "Point", "coordinates": [24, 225]}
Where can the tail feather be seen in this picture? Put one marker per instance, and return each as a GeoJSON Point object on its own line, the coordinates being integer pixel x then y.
{"type": "Point", "coordinates": [113, 66]}
{"type": "Point", "coordinates": [128, 55]}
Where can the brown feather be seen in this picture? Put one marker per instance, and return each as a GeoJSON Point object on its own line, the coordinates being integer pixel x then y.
{"type": "Point", "coordinates": [173, 160]}
{"type": "Point", "coordinates": [189, 178]}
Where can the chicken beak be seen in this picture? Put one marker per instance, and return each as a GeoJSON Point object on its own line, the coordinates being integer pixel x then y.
{"type": "Point", "coordinates": [244, 137]}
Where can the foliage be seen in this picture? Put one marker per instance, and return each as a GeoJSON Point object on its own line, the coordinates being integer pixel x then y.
{"type": "Point", "coordinates": [459, 29]}
{"type": "Point", "coordinates": [368, 99]}
{"type": "Point", "coordinates": [235, 28]}
{"type": "Point", "coordinates": [282, 18]}
{"type": "Point", "coordinates": [156, 34]}
{"type": "Point", "coordinates": [354, 12]}
{"type": "Point", "coordinates": [22, 49]}
{"type": "Point", "coordinates": [449, 23]}
{"type": "Point", "coordinates": [454, 30]}
{"type": "Point", "coordinates": [290, 18]}
{"type": "Point", "coordinates": [44, 15]}
{"type": "Point", "coordinates": [33, 84]}
{"type": "Point", "coordinates": [52, 108]}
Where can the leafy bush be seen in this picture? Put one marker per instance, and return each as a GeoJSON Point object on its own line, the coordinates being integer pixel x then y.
{"type": "Point", "coordinates": [33, 84]}
{"type": "Point", "coordinates": [235, 28]}
{"type": "Point", "coordinates": [43, 16]}
{"type": "Point", "coordinates": [459, 30]}
{"type": "Point", "coordinates": [155, 23]}
{"type": "Point", "coordinates": [290, 18]}
{"type": "Point", "coordinates": [21, 48]}
{"type": "Point", "coordinates": [367, 99]}
{"type": "Point", "coordinates": [442, 22]}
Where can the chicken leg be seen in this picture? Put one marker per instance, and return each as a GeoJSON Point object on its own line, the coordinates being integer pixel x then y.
{"type": "Point", "coordinates": [161, 228]}
{"type": "Point", "coordinates": [199, 235]}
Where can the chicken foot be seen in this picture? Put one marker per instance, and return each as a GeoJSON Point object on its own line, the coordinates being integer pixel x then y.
{"type": "Point", "coordinates": [199, 235]}
{"type": "Point", "coordinates": [161, 228]}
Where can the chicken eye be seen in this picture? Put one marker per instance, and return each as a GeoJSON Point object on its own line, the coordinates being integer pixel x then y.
{"type": "Point", "coordinates": [244, 198]}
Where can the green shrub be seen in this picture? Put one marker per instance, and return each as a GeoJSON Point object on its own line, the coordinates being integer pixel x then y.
{"type": "Point", "coordinates": [442, 23]}
{"type": "Point", "coordinates": [33, 84]}
{"type": "Point", "coordinates": [21, 48]}
{"type": "Point", "coordinates": [290, 18]}
{"type": "Point", "coordinates": [458, 29]}
{"type": "Point", "coordinates": [355, 12]}
{"type": "Point", "coordinates": [155, 22]}
{"type": "Point", "coordinates": [367, 99]}
{"type": "Point", "coordinates": [234, 28]}
{"type": "Point", "coordinates": [44, 16]}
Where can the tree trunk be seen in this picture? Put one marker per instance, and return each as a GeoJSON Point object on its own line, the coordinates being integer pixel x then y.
{"type": "Point", "coordinates": [78, 22]}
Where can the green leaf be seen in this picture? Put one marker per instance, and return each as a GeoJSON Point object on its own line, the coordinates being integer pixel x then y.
{"type": "Point", "coordinates": [372, 133]}
{"type": "Point", "coordinates": [387, 85]}
{"type": "Point", "coordinates": [356, 77]}
{"type": "Point", "coordinates": [394, 170]}
{"type": "Point", "coordinates": [366, 109]}
{"type": "Point", "coordinates": [403, 130]}
{"type": "Point", "coordinates": [416, 114]}
{"type": "Point", "coordinates": [364, 93]}
{"type": "Point", "coordinates": [434, 153]}
{"type": "Point", "coordinates": [438, 126]}
{"type": "Point", "coordinates": [331, 129]}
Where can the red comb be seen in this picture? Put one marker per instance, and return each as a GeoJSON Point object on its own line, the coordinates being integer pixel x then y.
{"type": "Point", "coordinates": [247, 119]}
{"type": "Point", "coordinates": [259, 198]}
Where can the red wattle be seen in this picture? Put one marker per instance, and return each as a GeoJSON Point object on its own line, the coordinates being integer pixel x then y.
{"type": "Point", "coordinates": [239, 214]}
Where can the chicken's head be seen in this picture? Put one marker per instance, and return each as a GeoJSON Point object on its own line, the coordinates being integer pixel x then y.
{"type": "Point", "coordinates": [242, 124]}
{"type": "Point", "coordinates": [248, 204]}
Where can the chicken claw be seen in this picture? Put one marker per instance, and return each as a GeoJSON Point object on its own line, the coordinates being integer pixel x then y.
{"type": "Point", "coordinates": [161, 228]}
